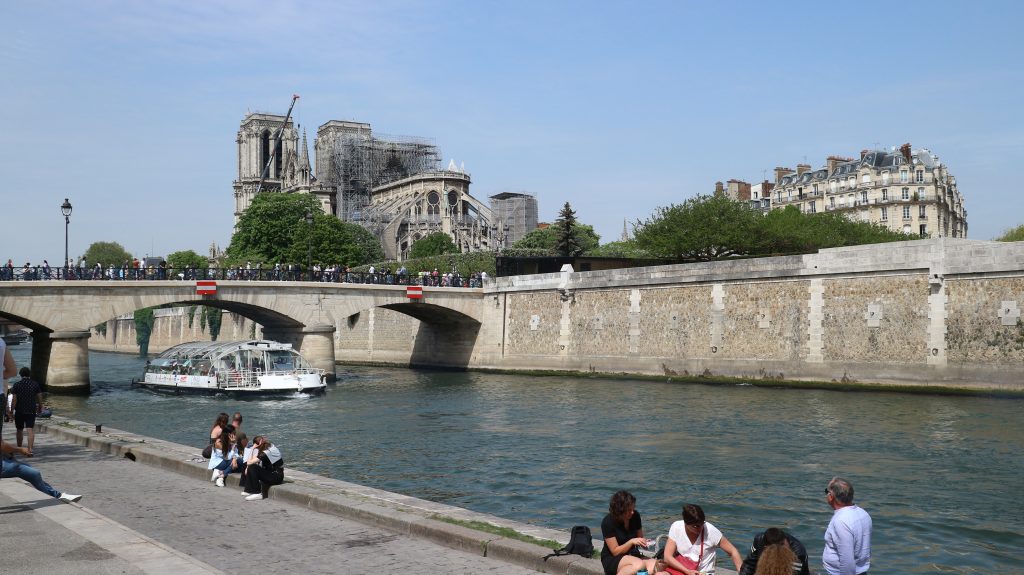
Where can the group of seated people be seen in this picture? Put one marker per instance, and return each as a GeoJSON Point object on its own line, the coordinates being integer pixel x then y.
{"type": "Point", "coordinates": [258, 464]}
{"type": "Point", "coordinates": [691, 546]}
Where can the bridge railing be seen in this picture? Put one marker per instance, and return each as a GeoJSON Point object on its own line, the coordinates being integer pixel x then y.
{"type": "Point", "coordinates": [283, 274]}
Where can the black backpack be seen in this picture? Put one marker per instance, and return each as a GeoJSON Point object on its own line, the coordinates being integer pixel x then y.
{"type": "Point", "coordinates": [580, 543]}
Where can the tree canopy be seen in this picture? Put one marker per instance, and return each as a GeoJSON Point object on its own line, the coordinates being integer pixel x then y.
{"type": "Point", "coordinates": [187, 258]}
{"type": "Point", "coordinates": [435, 244]}
{"type": "Point", "coordinates": [274, 230]}
{"type": "Point", "coordinates": [107, 253]}
{"type": "Point", "coordinates": [712, 227]}
{"type": "Point", "coordinates": [545, 240]}
{"type": "Point", "coordinates": [1012, 235]}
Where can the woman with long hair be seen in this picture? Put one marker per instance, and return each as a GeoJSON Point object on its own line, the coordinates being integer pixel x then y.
{"type": "Point", "coordinates": [265, 467]}
{"type": "Point", "coordinates": [623, 534]}
{"type": "Point", "coordinates": [777, 559]}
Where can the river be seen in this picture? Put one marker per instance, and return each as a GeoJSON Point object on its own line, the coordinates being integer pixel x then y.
{"type": "Point", "coordinates": [939, 474]}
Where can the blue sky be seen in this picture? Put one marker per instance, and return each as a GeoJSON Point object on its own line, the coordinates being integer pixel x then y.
{"type": "Point", "coordinates": [130, 109]}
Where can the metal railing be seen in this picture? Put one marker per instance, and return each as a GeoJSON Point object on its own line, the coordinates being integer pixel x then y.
{"type": "Point", "coordinates": [292, 274]}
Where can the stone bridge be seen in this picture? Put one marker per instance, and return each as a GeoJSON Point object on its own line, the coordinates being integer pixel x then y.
{"type": "Point", "coordinates": [61, 313]}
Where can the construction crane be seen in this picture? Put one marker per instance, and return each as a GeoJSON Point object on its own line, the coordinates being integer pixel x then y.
{"type": "Point", "coordinates": [277, 145]}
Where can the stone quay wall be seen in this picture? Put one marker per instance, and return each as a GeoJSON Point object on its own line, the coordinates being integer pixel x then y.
{"type": "Point", "coordinates": [942, 312]}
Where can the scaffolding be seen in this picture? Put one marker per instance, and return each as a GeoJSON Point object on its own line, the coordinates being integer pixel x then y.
{"type": "Point", "coordinates": [517, 211]}
{"type": "Point", "coordinates": [360, 162]}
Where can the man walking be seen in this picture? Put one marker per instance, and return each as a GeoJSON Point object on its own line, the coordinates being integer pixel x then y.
{"type": "Point", "coordinates": [848, 537]}
{"type": "Point", "coordinates": [26, 403]}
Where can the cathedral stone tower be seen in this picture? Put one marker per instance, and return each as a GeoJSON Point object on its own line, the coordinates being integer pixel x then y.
{"type": "Point", "coordinates": [290, 171]}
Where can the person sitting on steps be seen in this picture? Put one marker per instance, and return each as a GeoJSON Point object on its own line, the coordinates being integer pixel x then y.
{"type": "Point", "coordinates": [264, 468]}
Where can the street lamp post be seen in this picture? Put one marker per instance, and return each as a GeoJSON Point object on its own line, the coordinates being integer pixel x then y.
{"type": "Point", "coordinates": [309, 259]}
{"type": "Point", "coordinates": [65, 209]}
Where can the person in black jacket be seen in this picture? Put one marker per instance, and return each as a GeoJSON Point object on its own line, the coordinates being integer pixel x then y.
{"type": "Point", "coordinates": [265, 467]}
{"type": "Point", "coordinates": [772, 536]}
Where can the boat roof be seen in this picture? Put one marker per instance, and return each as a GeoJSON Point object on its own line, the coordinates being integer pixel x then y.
{"type": "Point", "coordinates": [218, 348]}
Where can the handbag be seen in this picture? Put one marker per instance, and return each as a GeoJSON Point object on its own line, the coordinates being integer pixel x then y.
{"type": "Point", "coordinates": [208, 451]}
{"type": "Point", "coordinates": [686, 561]}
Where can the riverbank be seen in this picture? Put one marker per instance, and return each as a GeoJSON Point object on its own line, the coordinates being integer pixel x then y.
{"type": "Point", "coordinates": [407, 516]}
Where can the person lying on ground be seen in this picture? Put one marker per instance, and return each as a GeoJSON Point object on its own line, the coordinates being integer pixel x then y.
{"type": "Point", "coordinates": [14, 468]}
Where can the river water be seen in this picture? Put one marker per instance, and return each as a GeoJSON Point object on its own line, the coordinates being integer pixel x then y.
{"type": "Point", "coordinates": [939, 475]}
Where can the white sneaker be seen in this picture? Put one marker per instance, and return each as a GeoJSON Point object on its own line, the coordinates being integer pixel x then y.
{"type": "Point", "coordinates": [245, 493]}
{"type": "Point", "coordinates": [254, 497]}
{"type": "Point", "coordinates": [220, 482]}
{"type": "Point", "coordinates": [216, 474]}
{"type": "Point", "coordinates": [69, 498]}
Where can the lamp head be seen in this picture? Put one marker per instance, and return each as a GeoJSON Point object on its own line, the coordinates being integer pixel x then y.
{"type": "Point", "coordinates": [65, 208]}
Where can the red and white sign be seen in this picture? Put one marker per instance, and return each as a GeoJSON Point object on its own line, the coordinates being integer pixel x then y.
{"type": "Point", "coordinates": [206, 287]}
{"type": "Point", "coordinates": [414, 292]}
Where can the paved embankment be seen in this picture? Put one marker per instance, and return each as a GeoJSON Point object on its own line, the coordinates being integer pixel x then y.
{"type": "Point", "coordinates": [311, 524]}
{"type": "Point", "coordinates": [163, 506]}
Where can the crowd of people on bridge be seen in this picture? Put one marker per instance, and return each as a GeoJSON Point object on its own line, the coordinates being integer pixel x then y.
{"type": "Point", "coordinates": [136, 270]}
{"type": "Point", "coordinates": [258, 464]}
{"type": "Point", "coordinates": [692, 542]}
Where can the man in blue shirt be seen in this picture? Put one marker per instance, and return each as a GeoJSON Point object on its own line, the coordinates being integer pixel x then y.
{"type": "Point", "coordinates": [848, 537]}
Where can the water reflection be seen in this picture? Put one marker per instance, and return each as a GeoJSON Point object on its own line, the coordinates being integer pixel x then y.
{"type": "Point", "coordinates": [549, 451]}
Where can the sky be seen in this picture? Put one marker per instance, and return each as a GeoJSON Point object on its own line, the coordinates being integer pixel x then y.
{"type": "Point", "coordinates": [130, 109]}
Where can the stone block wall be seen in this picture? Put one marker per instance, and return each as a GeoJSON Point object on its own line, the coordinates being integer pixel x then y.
{"type": "Point", "coordinates": [984, 324]}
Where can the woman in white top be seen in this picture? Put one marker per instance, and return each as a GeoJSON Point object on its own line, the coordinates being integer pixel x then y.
{"type": "Point", "coordinates": [692, 544]}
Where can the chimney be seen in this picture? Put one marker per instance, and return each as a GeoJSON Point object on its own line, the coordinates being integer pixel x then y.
{"type": "Point", "coordinates": [905, 150]}
{"type": "Point", "coordinates": [832, 162]}
{"type": "Point", "coordinates": [801, 168]}
{"type": "Point", "coordinates": [781, 173]}
{"type": "Point", "coordinates": [739, 190]}
{"type": "Point", "coordinates": [719, 188]}
{"type": "Point", "coordinates": [863, 153]}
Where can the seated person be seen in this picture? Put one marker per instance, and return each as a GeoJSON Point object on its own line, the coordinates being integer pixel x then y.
{"type": "Point", "coordinates": [775, 536]}
{"type": "Point", "coordinates": [224, 457]}
{"type": "Point", "coordinates": [265, 467]}
{"type": "Point", "coordinates": [777, 559]}
{"type": "Point", "coordinates": [623, 533]}
{"type": "Point", "coordinates": [12, 468]}
{"type": "Point", "coordinates": [693, 542]}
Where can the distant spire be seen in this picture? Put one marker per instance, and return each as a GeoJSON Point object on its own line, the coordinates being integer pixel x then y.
{"type": "Point", "coordinates": [304, 158]}
{"type": "Point", "coordinates": [625, 231]}
{"type": "Point", "coordinates": [451, 165]}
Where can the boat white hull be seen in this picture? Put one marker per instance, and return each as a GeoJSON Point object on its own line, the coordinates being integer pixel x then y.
{"type": "Point", "coordinates": [267, 383]}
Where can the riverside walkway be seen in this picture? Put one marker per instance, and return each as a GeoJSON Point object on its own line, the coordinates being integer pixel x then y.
{"type": "Point", "coordinates": [160, 514]}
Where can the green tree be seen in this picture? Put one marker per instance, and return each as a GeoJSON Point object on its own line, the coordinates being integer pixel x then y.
{"type": "Point", "coordinates": [187, 258]}
{"type": "Point", "coordinates": [435, 244]}
{"type": "Point", "coordinates": [567, 242]}
{"type": "Point", "coordinates": [274, 230]}
{"type": "Point", "coordinates": [701, 228]}
{"type": "Point", "coordinates": [544, 240]}
{"type": "Point", "coordinates": [107, 253]}
{"type": "Point", "coordinates": [621, 249]}
{"type": "Point", "coordinates": [1012, 235]}
{"type": "Point", "coordinates": [143, 329]}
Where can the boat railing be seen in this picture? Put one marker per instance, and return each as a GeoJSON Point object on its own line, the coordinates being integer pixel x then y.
{"type": "Point", "coordinates": [249, 378]}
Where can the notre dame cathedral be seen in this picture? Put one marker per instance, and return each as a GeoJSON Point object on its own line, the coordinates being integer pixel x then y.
{"type": "Point", "coordinates": [393, 186]}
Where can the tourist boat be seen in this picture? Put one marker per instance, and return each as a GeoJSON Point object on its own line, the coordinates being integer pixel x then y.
{"type": "Point", "coordinates": [246, 367]}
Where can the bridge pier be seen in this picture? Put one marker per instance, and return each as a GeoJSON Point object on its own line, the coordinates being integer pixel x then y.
{"type": "Point", "coordinates": [60, 361]}
{"type": "Point", "coordinates": [314, 342]}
